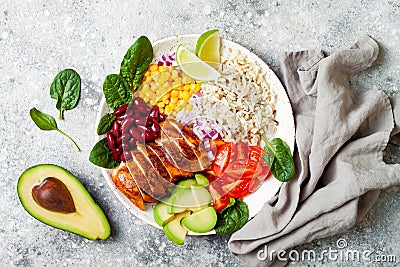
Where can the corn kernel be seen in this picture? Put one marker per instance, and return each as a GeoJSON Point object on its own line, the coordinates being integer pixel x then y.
{"type": "Point", "coordinates": [146, 99]}
{"type": "Point", "coordinates": [161, 68]}
{"type": "Point", "coordinates": [153, 68]}
{"type": "Point", "coordinates": [168, 110]}
{"type": "Point", "coordinates": [160, 104]}
{"type": "Point", "coordinates": [161, 110]}
{"type": "Point", "coordinates": [185, 95]}
{"type": "Point", "coordinates": [173, 100]}
{"type": "Point", "coordinates": [174, 92]}
{"type": "Point", "coordinates": [181, 102]}
{"type": "Point", "coordinates": [197, 88]}
{"type": "Point", "coordinates": [189, 107]}
{"type": "Point", "coordinates": [180, 94]}
{"type": "Point", "coordinates": [186, 87]}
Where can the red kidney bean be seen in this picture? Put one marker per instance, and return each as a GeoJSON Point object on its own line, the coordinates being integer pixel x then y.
{"type": "Point", "coordinates": [120, 111]}
{"type": "Point", "coordinates": [130, 111]}
{"type": "Point", "coordinates": [116, 129]}
{"type": "Point", "coordinates": [121, 118]}
{"type": "Point", "coordinates": [127, 155]}
{"type": "Point", "coordinates": [154, 113]}
{"type": "Point", "coordinates": [116, 154]}
{"type": "Point", "coordinates": [135, 133]}
{"type": "Point", "coordinates": [149, 136]}
{"type": "Point", "coordinates": [126, 137]}
{"type": "Point", "coordinates": [118, 140]}
{"type": "Point", "coordinates": [150, 121]}
{"type": "Point", "coordinates": [161, 117]}
{"type": "Point", "coordinates": [140, 105]}
{"type": "Point", "coordinates": [110, 140]}
{"type": "Point", "coordinates": [127, 124]}
{"type": "Point", "coordinates": [140, 121]}
{"type": "Point", "coordinates": [125, 147]}
{"type": "Point", "coordinates": [155, 128]}
{"type": "Point", "coordinates": [137, 102]}
{"type": "Point", "coordinates": [132, 142]}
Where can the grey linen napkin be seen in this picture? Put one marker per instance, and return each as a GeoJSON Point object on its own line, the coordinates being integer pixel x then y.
{"type": "Point", "coordinates": [340, 138]}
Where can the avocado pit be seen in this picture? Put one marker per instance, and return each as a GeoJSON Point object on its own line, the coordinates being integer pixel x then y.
{"type": "Point", "coordinates": [53, 195]}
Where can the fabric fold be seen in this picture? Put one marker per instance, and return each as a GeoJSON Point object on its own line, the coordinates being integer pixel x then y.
{"type": "Point", "coordinates": [340, 138]}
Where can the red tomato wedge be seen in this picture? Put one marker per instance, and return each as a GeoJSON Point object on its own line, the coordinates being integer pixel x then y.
{"type": "Point", "coordinates": [237, 171]}
{"type": "Point", "coordinates": [222, 159]}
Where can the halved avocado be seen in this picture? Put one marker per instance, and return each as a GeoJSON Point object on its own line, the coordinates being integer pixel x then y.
{"type": "Point", "coordinates": [57, 198]}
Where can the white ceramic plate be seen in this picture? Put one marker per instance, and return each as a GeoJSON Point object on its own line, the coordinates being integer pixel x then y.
{"type": "Point", "coordinates": [284, 115]}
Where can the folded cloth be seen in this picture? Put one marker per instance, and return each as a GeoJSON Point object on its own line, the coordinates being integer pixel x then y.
{"type": "Point", "coordinates": [340, 137]}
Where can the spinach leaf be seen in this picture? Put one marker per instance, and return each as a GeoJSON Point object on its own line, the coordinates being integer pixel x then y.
{"type": "Point", "coordinates": [105, 123]}
{"type": "Point", "coordinates": [136, 61]}
{"type": "Point", "coordinates": [46, 122]}
{"type": "Point", "coordinates": [232, 218]}
{"type": "Point", "coordinates": [101, 155]}
{"type": "Point", "coordinates": [116, 91]}
{"type": "Point", "coordinates": [279, 158]}
{"type": "Point", "coordinates": [66, 89]}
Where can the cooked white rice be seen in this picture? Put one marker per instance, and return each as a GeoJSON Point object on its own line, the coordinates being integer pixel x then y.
{"type": "Point", "coordinates": [240, 100]}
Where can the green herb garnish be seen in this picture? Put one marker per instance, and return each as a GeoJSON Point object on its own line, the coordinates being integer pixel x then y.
{"type": "Point", "coordinates": [279, 158]}
{"type": "Point", "coordinates": [66, 89]}
{"type": "Point", "coordinates": [105, 123]}
{"type": "Point", "coordinates": [101, 155]}
{"type": "Point", "coordinates": [232, 218]}
{"type": "Point", "coordinates": [46, 122]}
{"type": "Point", "coordinates": [136, 62]}
{"type": "Point", "coordinates": [116, 91]}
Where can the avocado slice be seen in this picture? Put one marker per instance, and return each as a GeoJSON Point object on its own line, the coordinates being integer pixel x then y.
{"type": "Point", "coordinates": [160, 214]}
{"type": "Point", "coordinates": [187, 183]}
{"type": "Point", "coordinates": [57, 198]}
{"type": "Point", "coordinates": [201, 221]}
{"type": "Point", "coordinates": [193, 198]}
{"type": "Point", "coordinates": [174, 230]}
{"type": "Point", "coordinates": [201, 179]}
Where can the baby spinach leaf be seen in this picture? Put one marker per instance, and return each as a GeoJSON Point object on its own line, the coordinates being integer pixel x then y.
{"type": "Point", "coordinates": [116, 91]}
{"type": "Point", "coordinates": [101, 155]}
{"type": "Point", "coordinates": [136, 61]}
{"type": "Point", "coordinates": [46, 122]}
{"type": "Point", "coordinates": [105, 123]}
{"type": "Point", "coordinates": [232, 218]}
{"type": "Point", "coordinates": [279, 158]}
{"type": "Point", "coordinates": [66, 89]}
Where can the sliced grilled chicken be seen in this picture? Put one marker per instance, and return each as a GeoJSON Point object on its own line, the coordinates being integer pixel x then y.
{"type": "Point", "coordinates": [178, 149]}
{"type": "Point", "coordinates": [155, 167]}
{"type": "Point", "coordinates": [149, 174]}
{"type": "Point", "coordinates": [140, 181]}
{"type": "Point", "coordinates": [192, 140]}
{"type": "Point", "coordinates": [175, 173]}
{"type": "Point", "coordinates": [123, 180]}
{"type": "Point", "coordinates": [155, 162]}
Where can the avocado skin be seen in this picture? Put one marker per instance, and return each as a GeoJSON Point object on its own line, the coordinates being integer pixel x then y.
{"type": "Point", "coordinates": [30, 177]}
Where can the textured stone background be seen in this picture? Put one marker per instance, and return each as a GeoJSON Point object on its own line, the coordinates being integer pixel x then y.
{"type": "Point", "coordinates": [39, 38]}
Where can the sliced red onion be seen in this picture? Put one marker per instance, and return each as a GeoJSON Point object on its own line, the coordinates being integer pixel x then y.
{"type": "Point", "coordinates": [160, 63]}
{"type": "Point", "coordinates": [164, 57]}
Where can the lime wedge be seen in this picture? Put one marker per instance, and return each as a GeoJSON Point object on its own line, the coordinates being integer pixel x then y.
{"type": "Point", "coordinates": [207, 48]}
{"type": "Point", "coordinates": [192, 66]}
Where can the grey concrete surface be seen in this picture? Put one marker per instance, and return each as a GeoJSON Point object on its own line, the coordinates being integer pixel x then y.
{"type": "Point", "coordinates": [39, 38]}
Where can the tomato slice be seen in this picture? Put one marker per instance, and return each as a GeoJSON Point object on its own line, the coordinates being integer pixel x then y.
{"type": "Point", "coordinates": [240, 189]}
{"type": "Point", "coordinates": [221, 203]}
{"type": "Point", "coordinates": [221, 159]}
